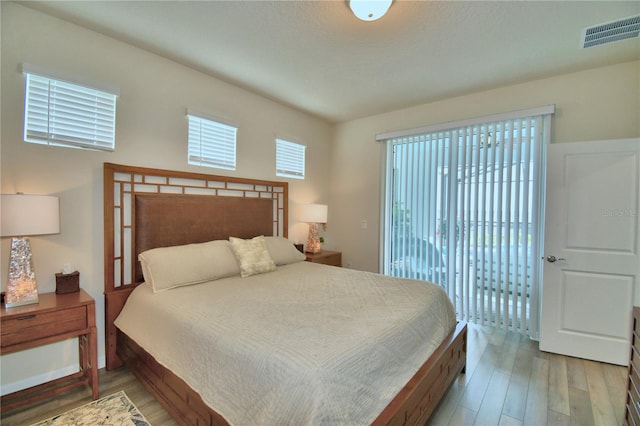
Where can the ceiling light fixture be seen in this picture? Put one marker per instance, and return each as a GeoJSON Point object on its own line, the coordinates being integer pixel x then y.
{"type": "Point", "coordinates": [369, 10]}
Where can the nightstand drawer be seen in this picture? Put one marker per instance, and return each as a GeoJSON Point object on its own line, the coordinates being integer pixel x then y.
{"type": "Point", "coordinates": [333, 258]}
{"type": "Point", "coordinates": [29, 327]}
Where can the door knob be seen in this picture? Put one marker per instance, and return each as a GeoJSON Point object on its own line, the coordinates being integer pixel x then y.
{"type": "Point", "coordinates": [552, 259]}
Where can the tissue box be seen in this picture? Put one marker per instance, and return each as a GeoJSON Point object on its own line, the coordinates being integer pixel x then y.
{"type": "Point", "coordinates": [67, 283]}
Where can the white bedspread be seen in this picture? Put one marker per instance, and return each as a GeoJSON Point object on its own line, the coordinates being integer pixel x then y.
{"type": "Point", "coordinates": [306, 344]}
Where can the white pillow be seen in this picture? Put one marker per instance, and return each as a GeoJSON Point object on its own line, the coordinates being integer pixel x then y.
{"type": "Point", "coordinates": [283, 251]}
{"type": "Point", "coordinates": [170, 267]}
{"type": "Point", "coordinates": [252, 255]}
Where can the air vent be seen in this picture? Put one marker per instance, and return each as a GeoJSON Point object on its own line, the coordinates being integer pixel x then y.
{"type": "Point", "coordinates": [610, 32]}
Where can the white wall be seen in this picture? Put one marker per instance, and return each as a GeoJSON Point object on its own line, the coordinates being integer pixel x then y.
{"type": "Point", "coordinates": [151, 132]}
{"type": "Point", "coordinates": [598, 104]}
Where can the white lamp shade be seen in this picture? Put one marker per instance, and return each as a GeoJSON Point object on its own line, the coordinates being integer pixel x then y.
{"type": "Point", "coordinates": [369, 10]}
{"type": "Point", "coordinates": [24, 215]}
{"type": "Point", "coordinates": [313, 213]}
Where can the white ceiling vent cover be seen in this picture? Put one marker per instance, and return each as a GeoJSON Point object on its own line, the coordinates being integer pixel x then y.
{"type": "Point", "coordinates": [610, 32]}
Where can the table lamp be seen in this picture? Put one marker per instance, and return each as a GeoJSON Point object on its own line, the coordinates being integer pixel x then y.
{"type": "Point", "coordinates": [313, 214]}
{"type": "Point", "coordinates": [24, 215]}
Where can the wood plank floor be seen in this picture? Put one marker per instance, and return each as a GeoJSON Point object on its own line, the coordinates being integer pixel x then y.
{"type": "Point", "coordinates": [508, 382]}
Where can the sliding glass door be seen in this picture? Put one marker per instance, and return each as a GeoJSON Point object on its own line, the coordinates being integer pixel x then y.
{"type": "Point", "coordinates": [463, 210]}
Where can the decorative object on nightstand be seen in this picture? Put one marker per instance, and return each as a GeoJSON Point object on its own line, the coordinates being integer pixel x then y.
{"type": "Point", "coordinates": [24, 215]}
{"type": "Point", "coordinates": [68, 281]}
{"type": "Point", "coordinates": [313, 214]}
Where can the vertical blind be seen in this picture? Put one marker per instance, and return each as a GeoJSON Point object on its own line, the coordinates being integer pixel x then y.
{"type": "Point", "coordinates": [290, 159]}
{"type": "Point", "coordinates": [464, 210]}
{"type": "Point", "coordinates": [60, 113]}
{"type": "Point", "coordinates": [211, 144]}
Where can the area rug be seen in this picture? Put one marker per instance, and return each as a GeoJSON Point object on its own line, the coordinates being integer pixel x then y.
{"type": "Point", "coordinates": [112, 410]}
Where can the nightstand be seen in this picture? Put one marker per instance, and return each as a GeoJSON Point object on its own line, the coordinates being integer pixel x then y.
{"type": "Point", "coordinates": [333, 258]}
{"type": "Point", "coordinates": [54, 318]}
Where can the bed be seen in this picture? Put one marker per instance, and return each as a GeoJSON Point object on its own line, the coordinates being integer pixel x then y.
{"type": "Point", "coordinates": [160, 213]}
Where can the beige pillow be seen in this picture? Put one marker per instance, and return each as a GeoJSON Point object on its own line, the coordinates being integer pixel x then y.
{"type": "Point", "coordinates": [170, 267]}
{"type": "Point", "coordinates": [252, 255]}
{"type": "Point", "coordinates": [283, 251]}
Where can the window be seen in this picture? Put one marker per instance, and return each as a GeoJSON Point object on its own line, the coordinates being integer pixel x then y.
{"type": "Point", "coordinates": [60, 113]}
{"type": "Point", "coordinates": [211, 143]}
{"type": "Point", "coordinates": [463, 210]}
{"type": "Point", "coordinates": [289, 159]}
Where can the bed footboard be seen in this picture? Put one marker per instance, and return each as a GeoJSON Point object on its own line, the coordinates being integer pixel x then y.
{"type": "Point", "coordinates": [415, 403]}
{"type": "Point", "coordinates": [183, 403]}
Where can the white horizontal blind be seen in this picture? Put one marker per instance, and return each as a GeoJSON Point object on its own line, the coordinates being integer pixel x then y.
{"type": "Point", "coordinates": [464, 211]}
{"type": "Point", "coordinates": [290, 159]}
{"type": "Point", "coordinates": [211, 143]}
{"type": "Point", "coordinates": [65, 114]}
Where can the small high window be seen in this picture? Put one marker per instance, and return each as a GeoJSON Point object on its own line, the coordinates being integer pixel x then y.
{"type": "Point", "coordinates": [290, 158]}
{"type": "Point", "coordinates": [60, 113]}
{"type": "Point", "coordinates": [211, 144]}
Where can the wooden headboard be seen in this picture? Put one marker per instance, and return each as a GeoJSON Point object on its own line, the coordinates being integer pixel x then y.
{"type": "Point", "coordinates": [148, 208]}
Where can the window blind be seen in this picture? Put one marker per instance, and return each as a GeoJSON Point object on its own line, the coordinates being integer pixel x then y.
{"type": "Point", "coordinates": [290, 159]}
{"type": "Point", "coordinates": [463, 210]}
{"type": "Point", "coordinates": [60, 113]}
{"type": "Point", "coordinates": [211, 144]}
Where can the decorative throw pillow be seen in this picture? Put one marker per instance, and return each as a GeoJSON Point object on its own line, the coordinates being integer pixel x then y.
{"type": "Point", "coordinates": [283, 251]}
{"type": "Point", "coordinates": [252, 256]}
{"type": "Point", "coordinates": [169, 267]}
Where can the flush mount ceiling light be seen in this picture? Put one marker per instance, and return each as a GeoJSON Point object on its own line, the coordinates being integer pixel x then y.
{"type": "Point", "coordinates": [369, 10]}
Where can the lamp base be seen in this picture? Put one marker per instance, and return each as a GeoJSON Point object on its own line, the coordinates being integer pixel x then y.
{"type": "Point", "coordinates": [24, 302]}
{"type": "Point", "coordinates": [22, 288]}
{"type": "Point", "coordinates": [313, 241]}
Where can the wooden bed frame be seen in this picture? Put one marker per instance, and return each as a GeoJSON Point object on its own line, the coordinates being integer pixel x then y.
{"type": "Point", "coordinates": [146, 208]}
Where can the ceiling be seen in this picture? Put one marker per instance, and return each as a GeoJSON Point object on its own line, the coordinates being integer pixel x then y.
{"type": "Point", "coordinates": [317, 57]}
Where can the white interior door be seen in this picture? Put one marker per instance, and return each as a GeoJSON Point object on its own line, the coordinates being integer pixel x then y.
{"type": "Point", "coordinates": [591, 274]}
